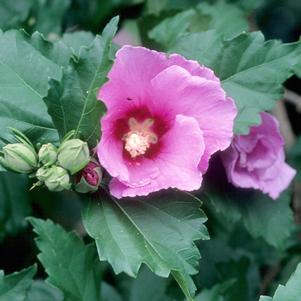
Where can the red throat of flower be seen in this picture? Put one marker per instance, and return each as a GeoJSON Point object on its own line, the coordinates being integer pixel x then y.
{"type": "Point", "coordinates": [140, 137]}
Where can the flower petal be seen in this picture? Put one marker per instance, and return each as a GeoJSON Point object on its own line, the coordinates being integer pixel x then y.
{"type": "Point", "coordinates": [277, 178]}
{"type": "Point", "coordinates": [176, 90]}
{"type": "Point", "coordinates": [133, 70]}
{"type": "Point", "coordinates": [264, 167]}
{"type": "Point", "coordinates": [239, 177]}
{"type": "Point", "coordinates": [177, 162]}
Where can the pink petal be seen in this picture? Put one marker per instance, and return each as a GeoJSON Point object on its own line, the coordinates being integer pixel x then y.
{"type": "Point", "coordinates": [264, 168]}
{"type": "Point", "coordinates": [193, 67]}
{"type": "Point", "coordinates": [237, 176]}
{"type": "Point", "coordinates": [176, 90]}
{"type": "Point", "coordinates": [277, 178]}
{"type": "Point", "coordinates": [262, 155]}
{"type": "Point", "coordinates": [133, 70]}
{"type": "Point", "coordinates": [111, 156]}
{"type": "Point", "coordinates": [177, 162]}
{"type": "Point", "coordinates": [110, 151]}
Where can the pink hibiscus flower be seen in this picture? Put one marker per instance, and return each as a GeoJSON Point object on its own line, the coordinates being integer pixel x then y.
{"type": "Point", "coordinates": [166, 116]}
{"type": "Point", "coordinates": [257, 161]}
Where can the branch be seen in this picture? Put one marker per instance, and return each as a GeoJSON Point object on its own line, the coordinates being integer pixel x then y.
{"type": "Point", "coordinates": [293, 98]}
{"type": "Point", "coordinates": [285, 125]}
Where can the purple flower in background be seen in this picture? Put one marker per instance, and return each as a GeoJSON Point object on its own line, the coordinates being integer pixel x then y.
{"type": "Point", "coordinates": [257, 161]}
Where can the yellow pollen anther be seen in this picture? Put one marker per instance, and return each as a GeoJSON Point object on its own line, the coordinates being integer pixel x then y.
{"type": "Point", "coordinates": [140, 137]}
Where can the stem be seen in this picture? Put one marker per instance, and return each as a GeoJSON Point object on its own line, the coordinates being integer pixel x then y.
{"type": "Point", "coordinates": [293, 98]}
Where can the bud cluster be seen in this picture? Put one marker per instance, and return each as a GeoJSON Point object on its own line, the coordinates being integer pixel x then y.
{"type": "Point", "coordinates": [55, 167]}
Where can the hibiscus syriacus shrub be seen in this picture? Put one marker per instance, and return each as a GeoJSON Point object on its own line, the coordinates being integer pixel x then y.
{"type": "Point", "coordinates": [155, 161]}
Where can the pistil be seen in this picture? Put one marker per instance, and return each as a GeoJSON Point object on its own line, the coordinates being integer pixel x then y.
{"type": "Point", "coordinates": [140, 137]}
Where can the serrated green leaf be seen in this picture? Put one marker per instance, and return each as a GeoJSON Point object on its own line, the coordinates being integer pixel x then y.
{"type": "Point", "coordinates": [26, 64]}
{"type": "Point", "coordinates": [71, 266]}
{"type": "Point", "coordinates": [205, 17]}
{"type": "Point", "coordinates": [15, 287]}
{"type": "Point", "coordinates": [169, 30]}
{"type": "Point", "coordinates": [262, 217]}
{"type": "Point", "coordinates": [72, 103]}
{"type": "Point", "coordinates": [14, 203]}
{"type": "Point", "coordinates": [78, 39]}
{"type": "Point", "coordinates": [252, 70]}
{"type": "Point", "coordinates": [221, 16]}
{"type": "Point", "coordinates": [41, 291]}
{"type": "Point", "coordinates": [158, 231]}
{"type": "Point", "coordinates": [291, 291]}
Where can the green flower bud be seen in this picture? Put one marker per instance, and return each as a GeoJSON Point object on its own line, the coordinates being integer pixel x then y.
{"type": "Point", "coordinates": [56, 178]}
{"type": "Point", "coordinates": [73, 155]}
{"type": "Point", "coordinates": [43, 173]}
{"type": "Point", "coordinates": [89, 179]}
{"type": "Point", "coordinates": [48, 154]}
{"type": "Point", "coordinates": [19, 157]}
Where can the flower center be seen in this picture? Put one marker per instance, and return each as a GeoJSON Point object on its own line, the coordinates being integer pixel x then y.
{"type": "Point", "coordinates": [140, 137]}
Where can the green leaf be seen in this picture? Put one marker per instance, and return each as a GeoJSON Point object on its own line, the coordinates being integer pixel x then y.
{"type": "Point", "coordinates": [169, 30]}
{"type": "Point", "coordinates": [252, 70]}
{"type": "Point", "coordinates": [15, 287]}
{"type": "Point", "coordinates": [49, 16]}
{"type": "Point", "coordinates": [159, 232]}
{"type": "Point", "coordinates": [215, 293]}
{"type": "Point", "coordinates": [298, 68]}
{"type": "Point", "coordinates": [157, 6]}
{"type": "Point", "coordinates": [249, 6]}
{"type": "Point", "coordinates": [72, 102]}
{"type": "Point", "coordinates": [108, 293]}
{"type": "Point", "coordinates": [291, 291]}
{"type": "Point", "coordinates": [13, 13]}
{"type": "Point", "coordinates": [71, 266]}
{"type": "Point", "coordinates": [26, 64]}
{"type": "Point", "coordinates": [265, 298]}
{"type": "Point", "coordinates": [41, 291]}
{"type": "Point", "coordinates": [220, 16]}
{"type": "Point", "coordinates": [148, 287]}
{"type": "Point", "coordinates": [14, 203]}
{"type": "Point", "coordinates": [262, 217]}
{"type": "Point", "coordinates": [241, 280]}
{"type": "Point", "coordinates": [77, 40]}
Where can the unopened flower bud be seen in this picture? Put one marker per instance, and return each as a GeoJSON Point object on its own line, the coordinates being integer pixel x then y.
{"type": "Point", "coordinates": [57, 179]}
{"type": "Point", "coordinates": [43, 173]}
{"type": "Point", "coordinates": [73, 155]}
{"type": "Point", "coordinates": [48, 154]}
{"type": "Point", "coordinates": [89, 179]}
{"type": "Point", "coordinates": [19, 157]}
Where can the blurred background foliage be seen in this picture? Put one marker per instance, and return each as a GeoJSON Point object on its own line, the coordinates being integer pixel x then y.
{"type": "Point", "coordinates": [235, 266]}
